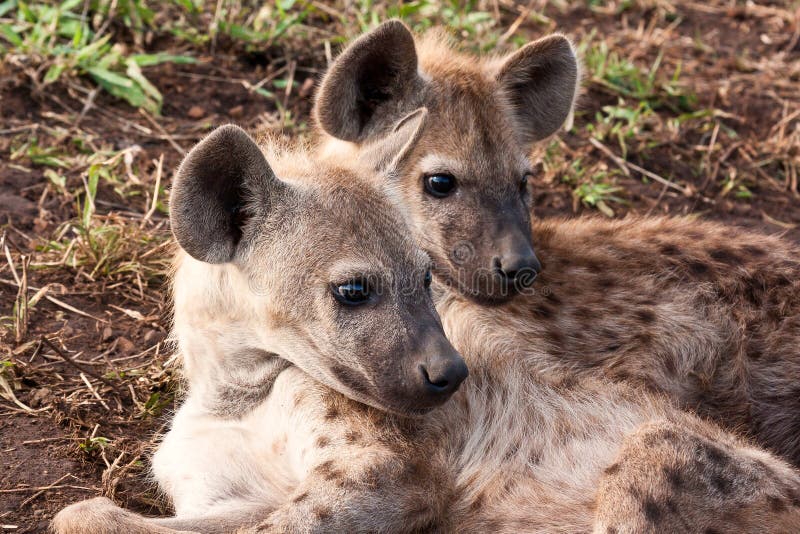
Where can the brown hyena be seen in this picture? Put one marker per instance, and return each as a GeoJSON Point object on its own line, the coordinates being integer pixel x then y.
{"type": "Point", "coordinates": [707, 314]}
{"type": "Point", "coordinates": [319, 377]}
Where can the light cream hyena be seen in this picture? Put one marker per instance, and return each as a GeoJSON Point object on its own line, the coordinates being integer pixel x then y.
{"type": "Point", "coordinates": [707, 314]}
{"type": "Point", "coordinates": [316, 364]}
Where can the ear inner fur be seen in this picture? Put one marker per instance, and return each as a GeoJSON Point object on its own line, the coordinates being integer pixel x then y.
{"type": "Point", "coordinates": [377, 71]}
{"type": "Point", "coordinates": [539, 81]}
{"type": "Point", "coordinates": [221, 184]}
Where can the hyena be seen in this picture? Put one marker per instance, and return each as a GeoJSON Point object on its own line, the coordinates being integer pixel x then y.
{"type": "Point", "coordinates": [319, 379]}
{"type": "Point", "coordinates": [706, 314]}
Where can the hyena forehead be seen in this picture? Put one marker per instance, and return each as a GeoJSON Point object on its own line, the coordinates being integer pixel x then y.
{"type": "Point", "coordinates": [344, 226]}
{"type": "Point", "coordinates": [491, 83]}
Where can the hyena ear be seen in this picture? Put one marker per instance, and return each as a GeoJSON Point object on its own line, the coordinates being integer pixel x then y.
{"type": "Point", "coordinates": [388, 154]}
{"type": "Point", "coordinates": [370, 80]}
{"type": "Point", "coordinates": [540, 82]}
{"type": "Point", "coordinates": [221, 184]}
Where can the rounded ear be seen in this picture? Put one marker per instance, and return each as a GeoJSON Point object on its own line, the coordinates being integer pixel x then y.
{"type": "Point", "coordinates": [389, 153]}
{"type": "Point", "coordinates": [378, 70]}
{"type": "Point", "coordinates": [221, 184]}
{"type": "Point", "coordinates": [540, 82]}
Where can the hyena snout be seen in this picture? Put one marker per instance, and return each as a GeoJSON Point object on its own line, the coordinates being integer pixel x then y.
{"type": "Point", "coordinates": [439, 372]}
{"type": "Point", "coordinates": [516, 261]}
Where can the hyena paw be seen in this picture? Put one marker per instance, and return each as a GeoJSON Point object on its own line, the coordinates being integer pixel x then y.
{"type": "Point", "coordinates": [98, 515]}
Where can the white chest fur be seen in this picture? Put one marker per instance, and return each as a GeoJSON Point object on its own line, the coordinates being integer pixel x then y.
{"type": "Point", "coordinates": [207, 463]}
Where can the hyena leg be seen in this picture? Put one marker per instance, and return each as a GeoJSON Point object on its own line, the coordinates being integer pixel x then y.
{"type": "Point", "coordinates": [102, 516]}
{"type": "Point", "coordinates": [366, 492]}
{"type": "Point", "coordinates": [674, 478]}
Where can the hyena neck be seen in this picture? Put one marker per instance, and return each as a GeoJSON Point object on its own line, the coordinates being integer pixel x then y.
{"type": "Point", "coordinates": [229, 369]}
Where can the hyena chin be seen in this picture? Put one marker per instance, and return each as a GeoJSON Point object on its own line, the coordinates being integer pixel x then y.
{"type": "Point", "coordinates": [706, 314]}
{"type": "Point", "coordinates": [311, 395]}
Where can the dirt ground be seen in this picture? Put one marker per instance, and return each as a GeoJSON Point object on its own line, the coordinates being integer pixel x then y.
{"type": "Point", "coordinates": [91, 367]}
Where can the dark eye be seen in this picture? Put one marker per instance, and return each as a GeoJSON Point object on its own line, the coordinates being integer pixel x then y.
{"type": "Point", "coordinates": [352, 293]}
{"type": "Point", "coordinates": [440, 185]}
{"type": "Point", "coordinates": [428, 279]}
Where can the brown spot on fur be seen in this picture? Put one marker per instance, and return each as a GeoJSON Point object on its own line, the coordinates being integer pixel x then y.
{"type": "Point", "coordinates": [651, 510]}
{"type": "Point", "coordinates": [714, 454]}
{"type": "Point", "coordinates": [552, 298]}
{"type": "Point", "coordinates": [303, 496]}
{"type": "Point", "coordinates": [322, 512]}
{"type": "Point", "coordinates": [753, 250]}
{"type": "Point", "coordinates": [335, 474]}
{"type": "Point", "coordinates": [776, 504]}
{"type": "Point", "coordinates": [725, 255]}
{"type": "Point", "coordinates": [331, 413]}
{"type": "Point", "coordinates": [659, 436]}
{"type": "Point", "coordinates": [325, 467]}
{"type": "Point", "coordinates": [644, 338]}
{"type": "Point", "coordinates": [754, 351]}
{"type": "Point", "coordinates": [698, 267]}
{"type": "Point", "coordinates": [543, 310]}
{"type": "Point", "coordinates": [323, 442]}
{"type": "Point", "coordinates": [722, 484]}
{"type": "Point", "coordinates": [611, 530]}
{"type": "Point", "coordinates": [606, 282]}
{"type": "Point", "coordinates": [754, 290]}
{"type": "Point", "coordinates": [352, 436]}
{"type": "Point", "coordinates": [612, 469]}
{"type": "Point", "coordinates": [645, 315]}
{"type": "Point", "coordinates": [670, 250]}
{"type": "Point", "coordinates": [673, 476]}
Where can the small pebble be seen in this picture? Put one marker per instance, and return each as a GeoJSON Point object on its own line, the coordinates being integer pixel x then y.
{"type": "Point", "coordinates": [125, 345]}
{"type": "Point", "coordinates": [108, 334]}
{"type": "Point", "coordinates": [196, 112]}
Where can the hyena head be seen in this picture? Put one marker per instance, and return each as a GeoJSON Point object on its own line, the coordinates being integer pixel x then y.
{"type": "Point", "coordinates": [314, 267]}
{"type": "Point", "coordinates": [465, 187]}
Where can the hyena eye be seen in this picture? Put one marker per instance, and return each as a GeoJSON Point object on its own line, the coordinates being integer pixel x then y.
{"type": "Point", "coordinates": [439, 185]}
{"type": "Point", "coordinates": [352, 293]}
{"type": "Point", "coordinates": [428, 279]}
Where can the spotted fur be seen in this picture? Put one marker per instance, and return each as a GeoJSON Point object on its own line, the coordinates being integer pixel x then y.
{"type": "Point", "coordinates": [513, 449]}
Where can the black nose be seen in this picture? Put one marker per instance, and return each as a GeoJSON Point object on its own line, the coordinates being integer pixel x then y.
{"type": "Point", "coordinates": [442, 376]}
{"type": "Point", "coordinates": [520, 267]}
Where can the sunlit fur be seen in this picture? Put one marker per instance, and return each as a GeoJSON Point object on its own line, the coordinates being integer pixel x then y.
{"type": "Point", "coordinates": [514, 449]}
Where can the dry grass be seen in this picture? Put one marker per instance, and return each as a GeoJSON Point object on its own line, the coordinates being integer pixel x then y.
{"type": "Point", "coordinates": [688, 107]}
